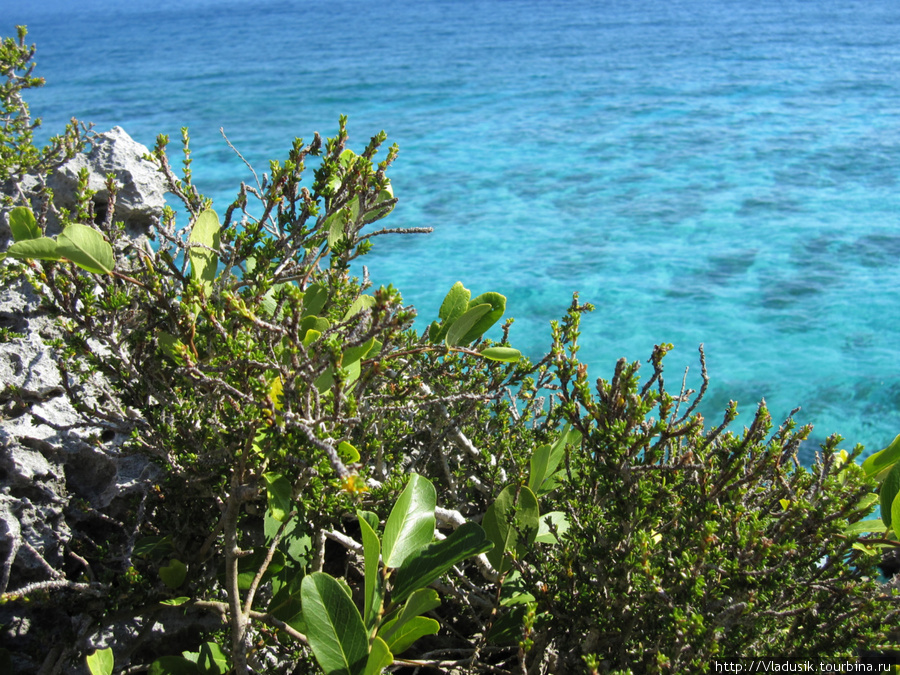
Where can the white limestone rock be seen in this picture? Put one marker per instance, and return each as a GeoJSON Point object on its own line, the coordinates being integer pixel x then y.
{"type": "Point", "coordinates": [142, 189]}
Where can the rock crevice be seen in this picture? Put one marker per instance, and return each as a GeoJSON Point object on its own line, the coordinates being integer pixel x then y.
{"type": "Point", "coordinates": [63, 479]}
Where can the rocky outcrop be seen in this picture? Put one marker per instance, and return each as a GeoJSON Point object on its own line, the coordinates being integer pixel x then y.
{"type": "Point", "coordinates": [141, 188]}
{"type": "Point", "coordinates": [141, 193]}
{"type": "Point", "coordinates": [65, 481]}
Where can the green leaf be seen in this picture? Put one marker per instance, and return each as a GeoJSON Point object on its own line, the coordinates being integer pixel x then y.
{"type": "Point", "coordinates": [435, 559]}
{"type": "Point", "coordinates": [374, 588]}
{"type": "Point", "coordinates": [205, 262]}
{"type": "Point", "coordinates": [507, 629]}
{"type": "Point", "coordinates": [276, 393]}
{"type": "Point", "coordinates": [513, 591]}
{"type": "Point", "coordinates": [419, 602]}
{"type": "Point", "coordinates": [347, 453]}
{"type": "Point", "coordinates": [312, 323]}
{"type": "Point", "coordinates": [435, 332]}
{"type": "Point", "coordinates": [336, 223]}
{"type": "Point", "coordinates": [502, 354]}
{"type": "Point", "coordinates": [876, 463]}
{"type": "Point", "coordinates": [380, 657]}
{"type": "Point", "coordinates": [174, 665]}
{"type": "Point", "coordinates": [325, 380]}
{"type": "Point", "coordinates": [874, 549]}
{"type": "Point", "coordinates": [101, 661]}
{"type": "Point", "coordinates": [412, 629]}
{"type": "Point", "coordinates": [344, 584]}
{"type": "Point", "coordinates": [546, 459]}
{"type": "Point", "coordinates": [542, 465]}
{"type": "Point", "coordinates": [411, 523]}
{"type": "Point", "coordinates": [376, 349]}
{"type": "Point", "coordinates": [155, 547]}
{"type": "Point", "coordinates": [895, 509]}
{"type": "Point", "coordinates": [866, 502]}
{"type": "Point", "coordinates": [514, 597]}
{"type": "Point", "coordinates": [352, 373]}
{"type": "Point", "coordinates": [354, 354]}
{"type": "Point", "coordinates": [85, 247]}
{"type": "Point", "coordinates": [889, 489]}
{"type": "Point", "coordinates": [171, 346]}
{"type": "Point", "coordinates": [173, 574]}
{"type": "Point", "coordinates": [296, 544]}
{"type": "Point", "coordinates": [268, 304]}
{"type": "Point", "coordinates": [23, 225]}
{"type": "Point", "coordinates": [559, 520]}
{"type": "Point", "coordinates": [314, 299]}
{"type": "Point", "coordinates": [311, 336]}
{"type": "Point", "coordinates": [248, 566]}
{"type": "Point", "coordinates": [175, 602]}
{"type": "Point", "coordinates": [455, 303]}
{"type": "Point", "coordinates": [42, 248]}
{"type": "Point", "coordinates": [386, 194]}
{"type": "Point", "coordinates": [498, 524]}
{"type": "Point", "coordinates": [286, 606]}
{"type": "Point", "coordinates": [333, 185]}
{"type": "Point", "coordinates": [864, 527]}
{"type": "Point", "coordinates": [498, 306]}
{"type": "Point", "coordinates": [371, 519]}
{"type": "Point", "coordinates": [569, 436]}
{"type": "Point", "coordinates": [463, 325]}
{"type": "Point", "coordinates": [363, 302]}
{"type": "Point", "coordinates": [348, 158]}
{"type": "Point", "coordinates": [454, 306]}
{"type": "Point", "coordinates": [212, 660]}
{"type": "Point", "coordinates": [278, 493]}
{"type": "Point", "coordinates": [334, 628]}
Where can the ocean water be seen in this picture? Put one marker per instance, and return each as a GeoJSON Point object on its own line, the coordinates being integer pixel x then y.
{"type": "Point", "coordinates": [723, 173]}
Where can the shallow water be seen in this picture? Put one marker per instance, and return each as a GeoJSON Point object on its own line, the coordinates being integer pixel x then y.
{"type": "Point", "coordinates": [722, 175]}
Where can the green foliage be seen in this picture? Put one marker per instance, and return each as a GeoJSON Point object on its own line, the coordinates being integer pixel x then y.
{"type": "Point", "coordinates": [173, 574]}
{"type": "Point", "coordinates": [23, 225]}
{"type": "Point", "coordinates": [204, 242]}
{"type": "Point", "coordinates": [209, 660]}
{"type": "Point", "coordinates": [78, 244]}
{"type": "Point", "coordinates": [436, 559]}
{"type": "Point", "coordinates": [884, 466]}
{"type": "Point", "coordinates": [463, 321]}
{"type": "Point", "coordinates": [878, 463]}
{"type": "Point", "coordinates": [345, 641]}
{"type": "Point", "coordinates": [335, 629]}
{"type": "Point", "coordinates": [698, 542]}
{"type": "Point", "coordinates": [294, 409]}
{"type": "Point", "coordinates": [511, 524]}
{"type": "Point", "coordinates": [201, 344]}
{"type": "Point", "coordinates": [100, 662]}
{"type": "Point", "coordinates": [411, 523]}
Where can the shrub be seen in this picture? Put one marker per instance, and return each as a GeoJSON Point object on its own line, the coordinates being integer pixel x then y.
{"type": "Point", "coordinates": [701, 543]}
{"type": "Point", "coordinates": [288, 400]}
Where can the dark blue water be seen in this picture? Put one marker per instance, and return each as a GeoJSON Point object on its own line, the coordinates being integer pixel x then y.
{"type": "Point", "coordinates": [721, 173]}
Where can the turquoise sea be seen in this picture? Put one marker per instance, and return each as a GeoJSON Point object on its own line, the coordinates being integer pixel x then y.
{"type": "Point", "coordinates": [721, 172]}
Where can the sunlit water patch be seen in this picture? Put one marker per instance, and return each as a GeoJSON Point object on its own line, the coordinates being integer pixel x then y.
{"type": "Point", "coordinates": [721, 174]}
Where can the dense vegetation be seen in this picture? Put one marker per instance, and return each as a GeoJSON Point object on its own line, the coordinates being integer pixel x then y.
{"type": "Point", "coordinates": [341, 488]}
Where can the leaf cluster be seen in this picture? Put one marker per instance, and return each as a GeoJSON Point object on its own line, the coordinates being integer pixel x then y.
{"type": "Point", "coordinates": [699, 542]}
